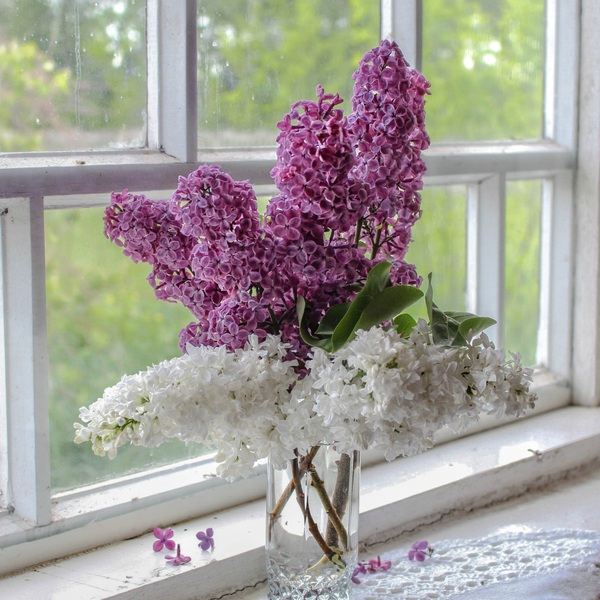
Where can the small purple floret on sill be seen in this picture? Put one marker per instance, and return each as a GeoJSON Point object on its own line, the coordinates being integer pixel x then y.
{"type": "Point", "coordinates": [378, 565]}
{"type": "Point", "coordinates": [179, 558]}
{"type": "Point", "coordinates": [164, 539]}
{"type": "Point", "coordinates": [420, 551]}
{"type": "Point", "coordinates": [360, 569]}
{"type": "Point", "coordinates": [206, 539]}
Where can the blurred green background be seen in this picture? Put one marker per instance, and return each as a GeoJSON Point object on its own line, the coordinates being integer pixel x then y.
{"type": "Point", "coordinates": [73, 76]}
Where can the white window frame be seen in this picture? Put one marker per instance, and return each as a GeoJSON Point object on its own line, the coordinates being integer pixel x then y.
{"type": "Point", "coordinates": [32, 183]}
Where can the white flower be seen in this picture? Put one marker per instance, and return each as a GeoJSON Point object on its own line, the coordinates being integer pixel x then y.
{"type": "Point", "coordinates": [380, 390]}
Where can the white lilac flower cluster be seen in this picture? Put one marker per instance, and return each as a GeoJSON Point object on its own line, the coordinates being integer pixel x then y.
{"type": "Point", "coordinates": [383, 391]}
{"type": "Point", "coordinates": [231, 400]}
{"type": "Point", "coordinates": [380, 390]}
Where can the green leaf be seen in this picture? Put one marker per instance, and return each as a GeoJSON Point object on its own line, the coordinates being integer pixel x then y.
{"type": "Point", "coordinates": [324, 343]}
{"type": "Point", "coordinates": [332, 318]}
{"type": "Point", "coordinates": [452, 328]}
{"type": "Point", "coordinates": [404, 324]}
{"type": "Point", "coordinates": [377, 280]}
{"type": "Point", "coordinates": [470, 323]}
{"type": "Point", "coordinates": [429, 299]}
{"type": "Point", "coordinates": [444, 329]}
{"type": "Point", "coordinates": [386, 305]}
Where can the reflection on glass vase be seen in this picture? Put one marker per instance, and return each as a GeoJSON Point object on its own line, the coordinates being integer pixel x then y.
{"type": "Point", "coordinates": [312, 525]}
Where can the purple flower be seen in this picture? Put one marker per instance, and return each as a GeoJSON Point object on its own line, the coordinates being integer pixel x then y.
{"type": "Point", "coordinates": [420, 550]}
{"type": "Point", "coordinates": [360, 568]}
{"type": "Point", "coordinates": [377, 565]}
{"type": "Point", "coordinates": [206, 539]}
{"type": "Point", "coordinates": [178, 559]}
{"type": "Point", "coordinates": [349, 196]}
{"type": "Point", "coordinates": [164, 539]}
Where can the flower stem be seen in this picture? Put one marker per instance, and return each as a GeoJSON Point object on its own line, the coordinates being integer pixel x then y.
{"type": "Point", "coordinates": [334, 557]}
{"type": "Point", "coordinates": [340, 500]}
{"type": "Point", "coordinates": [305, 463]}
{"type": "Point", "coordinates": [377, 243]}
{"type": "Point", "coordinates": [334, 519]}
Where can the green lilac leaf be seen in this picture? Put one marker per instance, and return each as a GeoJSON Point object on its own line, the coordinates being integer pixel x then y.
{"type": "Point", "coordinates": [429, 299]}
{"type": "Point", "coordinates": [404, 324]}
{"type": "Point", "coordinates": [386, 305]}
{"type": "Point", "coordinates": [469, 324]}
{"type": "Point", "coordinates": [324, 343]}
{"type": "Point", "coordinates": [444, 330]}
{"type": "Point", "coordinates": [377, 280]}
{"type": "Point", "coordinates": [332, 318]}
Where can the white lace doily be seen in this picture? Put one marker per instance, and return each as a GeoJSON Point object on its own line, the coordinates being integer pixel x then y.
{"type": "Point", "coordinates": [460, 567]}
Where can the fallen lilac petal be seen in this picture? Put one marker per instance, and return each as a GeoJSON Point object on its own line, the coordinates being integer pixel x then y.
{"type": "Point", "coordinates": [360, 568]}
{"type": "Point", "coordinates": [178, 558]}
{"type": "Point", "coordinates": [206, 539]}
{"type": "Point", "coordinates": [417, 551]}
{"type": "Point", "coordinates": [163, 539]}
{"type": "Point", "coordinates": [377, 565]}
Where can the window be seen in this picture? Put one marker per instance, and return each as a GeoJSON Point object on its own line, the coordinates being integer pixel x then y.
{"type": "Point", "coordinates": [474, 173]}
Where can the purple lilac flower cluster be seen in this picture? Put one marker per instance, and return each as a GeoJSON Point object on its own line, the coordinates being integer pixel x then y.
{"type": "Point", "coordinates": [388, 127]}
{"type": "Point", "coordinates": [349, 195]}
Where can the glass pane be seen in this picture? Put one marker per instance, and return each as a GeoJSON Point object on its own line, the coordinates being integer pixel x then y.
{"type": "Point", "coordinates": [103, 322]}
{"type": "Point", "coordinates": [258, 58]}
{"type": "Point", "coordinates": [72, 74]}
{"type": "Point", "coordinates": [485, 62]}
{"type": "Point", "coordinates": [439, 247]}
{"type": "Point", "coordinates": [522, 272]}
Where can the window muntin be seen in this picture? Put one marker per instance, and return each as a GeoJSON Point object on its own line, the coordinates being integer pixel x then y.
{"type": "Point", "coordinates": [485, 62]}
{"type": "Point", "coordinates": [72, 75]}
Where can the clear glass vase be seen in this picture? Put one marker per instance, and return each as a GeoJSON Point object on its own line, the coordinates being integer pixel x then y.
{"type": "Point", "coordinates": [312, 526]}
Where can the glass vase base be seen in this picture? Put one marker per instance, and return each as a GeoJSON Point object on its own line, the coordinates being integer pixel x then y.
{"type": "Point", "coordinates": [321, 586]}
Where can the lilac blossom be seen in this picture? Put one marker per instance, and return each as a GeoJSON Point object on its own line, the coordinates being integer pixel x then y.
{"type": "Point", "coordinates": [378, 565]}
{"type": "Point", "coordinates": [420, 551]}
{"type": "Point", "coordinates": [348, 197]}
{"type": "Point", "coordinates": [178, 559]}
{"type": "Point", "coordinates": [206, 539]}
{"type": "Point", "coordinates": [164, 539]}
{"type": "Point", "coordinates": [360, 569]}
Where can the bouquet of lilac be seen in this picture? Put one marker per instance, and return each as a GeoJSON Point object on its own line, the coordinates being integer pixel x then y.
{"type": "Point", "coordinates": [299, 338]}
{"type": "Point", "coordinates": [271, 366]}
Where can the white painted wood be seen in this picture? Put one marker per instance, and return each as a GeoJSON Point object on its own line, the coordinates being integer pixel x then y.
{"type": "Point", "coordinates": [550, 92]}
{"type": "Point", "coordinates": [556, 277]}
{"type": "Point", "coordinates": [152, 74]}
{"type": "Point", "coordinates": [485, 252]}
{"type": "Point", "coordinates": [586, 332]}
{"type": "Point", "coordinates": [172, 77]}
{"type": "Point", "coordinates": [172, 122]}
{"type": "Point", "coordinates": [3, 402]}
{"type": "Point", "coordinates": [562, 72]}
{"type": "Point", "coordinates": [61, 175]}
{"type": "Point", "coordinates": [26, 360]}
{"type": "Point", "coordinates": [506, 462]}
{"type": "Point", "coordinates": [386, 12]}
{"type": "Point", "coordinates": [407, 29]}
